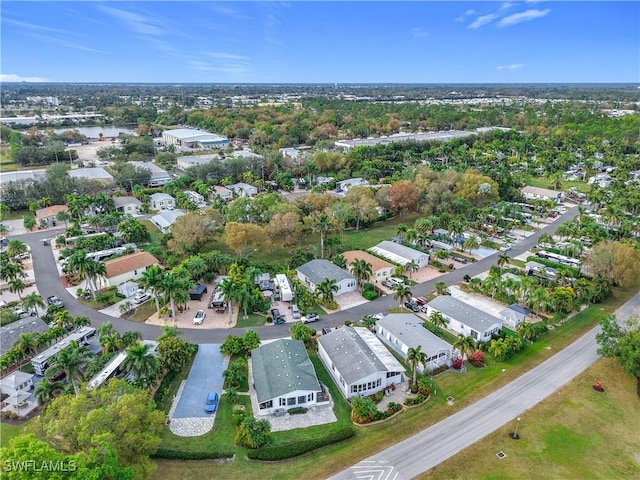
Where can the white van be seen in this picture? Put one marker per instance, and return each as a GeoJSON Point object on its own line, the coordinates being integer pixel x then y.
{"type": "Point", "coordinates": [295, 311]}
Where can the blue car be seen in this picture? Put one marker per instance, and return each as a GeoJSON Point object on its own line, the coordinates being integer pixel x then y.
{"type": "Point", "coordinates": [212, 403]}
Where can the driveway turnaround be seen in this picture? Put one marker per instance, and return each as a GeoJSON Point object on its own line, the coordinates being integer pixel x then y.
{"type": "Point", "coordinates": [423, 451]}
{"type": "Point", "coordinates": [205, 376]}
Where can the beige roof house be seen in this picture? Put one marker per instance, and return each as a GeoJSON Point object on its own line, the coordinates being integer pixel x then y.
{"type": "Point", "coordinates": [380, 268]}
{"type": "Point", "coordinates": [128, 267]}
{"type": "Point", "coordinates": [49, 213]}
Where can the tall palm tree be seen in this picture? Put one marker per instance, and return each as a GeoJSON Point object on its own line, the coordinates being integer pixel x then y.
{"type": "Point", "coordinates": [538, 299]}
{"type": "Point", "coordinates": [152, 279]}
{"type": "Point", "coordinates": [32, 301]}
{"type": "Point", "coordinates": [401, 230]}
{"type": "Point", "coordinates": [93, 270]}
{"type": "Point", "coordinates": [63, 319]}
{"type": "Point", "coordinates": [47, 389]}
{"type": "Point", "coordinates": [438, 320]}
{"type": "Point", "coordinates": [326, 288]}
{"type": "Point", "coordinates": [130, 339]}
{"type": "Point", "coordinates": [471, 243]}
{"type": "Point", "coordinates": [144, 365]}
{"type": "Point", "coordinates": [362, 270]}
{"type": "Point", "coordinates": [415, 357]}
{"type": "Point", "coordinates": [72, 361]}
{"type": "Point", "coordinates": [465, 345]}
{"type": "Point", "coordinates": [168, 332]}
{"type": "Point", "coordinates": [411, 267]}
{"type": "Point", "coordinates": [15, 247]}
{"type": "Point", "coordinates": [503, 259]}
{"type": "Point", "coordinates": [526, 330]}
{"type": "Point", "coordinates": [172, 285]}
{"type": "Point", "coordinates": [321, 223]}
{"type": "Point", "coordinates": [196, 267]}
{"type": "Point", "coordinates": [545, 238]}
{"type": "Point", "coordinates": [9, 270]}
{"type": "Point", "coordinates": [230, 291]}
{"type": "Point", "coordinates": [441, 288]}
{"type": "Point", "coordinates": [402, 294]}
{"type": "Point", "coordinates": [27, 343]}
{"type": "Point", "coordinates": [17, 285]}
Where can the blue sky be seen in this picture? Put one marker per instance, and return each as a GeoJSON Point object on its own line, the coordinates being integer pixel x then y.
{"type": "Point", "coordinates": [320, 42]}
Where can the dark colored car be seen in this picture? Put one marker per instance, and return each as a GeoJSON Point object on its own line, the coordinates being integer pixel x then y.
{"type": "Point", "coordinates": [212, 402]}
{"type": "Point", "coordinates": [414, 307]}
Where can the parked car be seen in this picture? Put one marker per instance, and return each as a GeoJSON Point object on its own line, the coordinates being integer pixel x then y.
{"type": "Point", "coordinates": [275, 312]}
{"type": "Point", "coordinates": [420, 300]}
{"type": "Point", "coordinates": [21, 312]}
{"type": "Point", "coordinates": [141, 296]}
{"type": "Point", "coordinates": [505, 248]}
{"type": "Point", "coordinates": [22, 256]}
{"type": "Point", "coordinates": [53, 300]}
{"type": "Point", "coordinates": [312, 317]}
{"type": "Point", "coordinates": [279, 320]}
{"type": "Point", "coordinates": [211, 404]}
{"type": "Point", "coordinates": [414, 307]}
{"type": "Point", "coordinates": [199, 318]}
{"type": "Point", "coordinates": [389, 283]}
{"type": "Point", "coordinates": [295, 311]}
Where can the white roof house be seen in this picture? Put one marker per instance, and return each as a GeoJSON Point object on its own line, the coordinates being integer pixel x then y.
{"type": "Point", "coordinates": [243, 189]}
{"type": "Point", "coordinates": [189, 161]}
{"type": "Point", "coordinates": [247, 154]}
{"type": "Point", "coordinates": [345, 185]}
{"type": "Point", "coordinates": [223, 192]}
{"type": "Point", "coordinates": [537, 193]}
{"type": "Point", "coordinates": [402, 331]}
{"type": "Point", "coordinates": [465, 319]}
{"type": "Point", "coordinates": [165, 220]}
{"type": "Point", "coordinates": [400, 254]}
{"type": "Point", "coordinates": [161, 201]}
{"type": "Point", "coordinates": [16, 382]}
{"type": "Point", "coordinates": [403, 137]}
{"type": "Point", "coordinates": [33, 175]}
{"type": "Point", "coordinates": [98, 174]}
{"type": "Point", "coordinates": [127, 205]}
{"type": "Point", "coordinates": [314, 272]}
{"type": "Point", "coordinates": [159, 176]}
{"type": "Point", "coordinates": [358, 361]}
{"type": "Point", "coordinates": [191, 137]}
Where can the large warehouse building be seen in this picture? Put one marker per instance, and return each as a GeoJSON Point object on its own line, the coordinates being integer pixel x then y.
{"type": "Point", "coordinates": [193, 138]}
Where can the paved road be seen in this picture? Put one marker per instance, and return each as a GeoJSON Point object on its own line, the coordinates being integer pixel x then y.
{"type": "Point", "coordinates": [48, 282]}
{"type": "Point", "coordinates": [425, 450]}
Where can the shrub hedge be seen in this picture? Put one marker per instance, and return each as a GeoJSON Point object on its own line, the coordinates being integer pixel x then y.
{"type": "Point", "coordinates": [170, 454]}
{"type": "Point", "coordinates": [290, 450]}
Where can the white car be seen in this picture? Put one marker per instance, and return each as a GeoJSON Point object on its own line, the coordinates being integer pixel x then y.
{"type": "Point", "coordinates": [21, 312]}
{"type": "Point", "coordinates": [199, 318]}
{"type": "Point", "coordinates": [141, 296]}
{"type": "Point", "coordinates": [505, 248]}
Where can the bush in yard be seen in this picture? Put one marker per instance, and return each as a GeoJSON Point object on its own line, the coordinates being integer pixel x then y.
{"type": "Point", "coordinates": [379, 396]}
{"type": "Point", "coordinates": [297, 411]}
{"type": "Point", "coordinates": [238, 417]}
{"type": "Point", "coordinates": [300, 447]}
{"type": "Point", "coordinates": [253, 433]}
{"type": "Point", "coordinates": [184, 455]}
{"type": "Point", "coordinates": [370, 294]}
{"type": "Point", "coordinates": [364, 409]}
{"type": "Point", "coordinates": [233, 345]}
{"type": "Point", "coordinates": [457, 363]}
{"type": "Point", "coordinates": [393, 407]}
{"type": "Point", "coordinates": [477, 359]}
{"type": "Point", "coordinates": [424, 386]}
{"type": "Point", "coordinates": [417, 400]}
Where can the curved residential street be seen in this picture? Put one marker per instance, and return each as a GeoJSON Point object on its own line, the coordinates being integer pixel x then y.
{"type": "Point", "coordinates": [425, 450]}
{"type": "Point", "coordinates": [49, 283]}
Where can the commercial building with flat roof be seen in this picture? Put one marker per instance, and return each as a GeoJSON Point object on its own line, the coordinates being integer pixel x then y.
{"type": "Point", "coordinates": [194, 138]}
{"type": "Point", "coordinates": [442, 136]}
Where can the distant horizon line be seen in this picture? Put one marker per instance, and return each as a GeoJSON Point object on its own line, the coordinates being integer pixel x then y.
{"type": "Point", "coordinates": [635, 83]}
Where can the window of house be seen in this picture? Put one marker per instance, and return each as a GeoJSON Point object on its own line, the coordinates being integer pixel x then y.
{"type": "Point", "coordinates": [302, 399]}
{"type": "Point", "coordinates": [291, 401]}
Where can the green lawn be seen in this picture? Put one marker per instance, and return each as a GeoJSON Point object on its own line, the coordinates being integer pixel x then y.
{"type": "Point", "coordinates": [542, 182]}
{"type": "Point", "coordinates": [575, 433]}
{"type": "Point", "coordinates": [142, 312]}
{"type": "Point", "coordinates": [369, 237]}
{"type": "Point", "coordinates": [253, 320]}
{"type": "Point", "coordinates": [7, 432]}
{"type": "Point", "coordinates": [466, 388]}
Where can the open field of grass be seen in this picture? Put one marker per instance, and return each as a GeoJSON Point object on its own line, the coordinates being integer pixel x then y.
{"type": "Point", "coordinates": [142, 312]}
{"type": "Point", "coordinates": [466, 388]}
{"type": "Point", "coordinates": [253, 320]}
{"type": "Point", "coordinates": [575, 433]}
{"type": "Point", "coordinates": [7, 432]}
{"type": "Point", "coordinates": [542, 182]}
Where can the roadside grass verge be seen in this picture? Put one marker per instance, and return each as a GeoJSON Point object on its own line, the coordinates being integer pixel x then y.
{"type": "Point", "coordinates": [253, 320]}
{"type": "Point", "coordinates": [574, 433]}
{"type": "Point", "coordinates": [141, 312]}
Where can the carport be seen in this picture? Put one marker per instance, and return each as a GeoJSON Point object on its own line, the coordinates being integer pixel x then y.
{"type": "Point", "coordinates": [205, 376]}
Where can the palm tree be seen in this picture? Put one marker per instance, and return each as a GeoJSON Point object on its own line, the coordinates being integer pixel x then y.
{"type": "Point", "coordinates": [230, 290]}
{"type": "Point", "coordinates": [503, 259]}
{"type": "Point", "coordinates": [171, 286]}
{"type": "Point", "coordinates": [402, 294]}
{"type": "Point", "coordinates": [498, 348]}
{"type": "Point", "coordinates": [415, 357]}
{"type": "Point", "coordinates": [142, 364]}
{"type": "Point", "coordinates": [72, 361]}
{"type": "Point", "coordinates": [340, 261]}
{"type": "Point", "coordinates": [17, 285]}
{"type": "Point", "coordinates": [545, 238]}
{"type": "Point", "coordinates": [401, 230]}
{"type": "Point", "coordinates": [438, 320]}
{"type": "Point", "coordinates": [441, 288]}
{"type": "Point", "coordinates": [471, 243]}
{"type": "Point", "coordinates": [321, 223]}
{"type": "Point", "coordinates": [93, 271]}
{"type": "Point", "coordinates": [15, 247]}
{"type": "Point", "coordinates": [465, 345]}
{"type": "Point", "coordinates": [168, 332]}
{"type": "Point", "coordinates": [196, 267]}
{"type": "Point", "coordinates": [9, 270]}
{"type": "Point", "coordinates": [152, 279]}
{"type": "Point", "coordinates": [47, 389]}
{"type": "Point", "coordinates": [32, 301]}
{"type": "Point", "coordinates": [411, 267]}
{"type": "Point", "coordinates": [27, 343]}
{"type": "Point", "coordinates": [526, 330]}
{"type": "Point", "coordinates": [362, 270]}
{"type": "Point", "coordinates": [63, 319]}
{"type": "Point", "coordinates": [326, 288]}
{"type": "Point", "coordinates": [538, 299]}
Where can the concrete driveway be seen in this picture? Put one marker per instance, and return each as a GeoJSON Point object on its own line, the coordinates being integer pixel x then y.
{"type": "Point", "coordinates": [205, 376]}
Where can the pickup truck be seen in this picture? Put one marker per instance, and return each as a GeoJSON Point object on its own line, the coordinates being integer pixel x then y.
{"type": "Point", "coordinates": [53, 300]}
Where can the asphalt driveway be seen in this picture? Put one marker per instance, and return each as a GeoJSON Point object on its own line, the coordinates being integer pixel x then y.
{"type": "Point", "coordinates": [205, 376]}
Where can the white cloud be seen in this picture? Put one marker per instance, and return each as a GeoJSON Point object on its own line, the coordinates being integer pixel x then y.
{"type": "Point", "coordinates": [12, 77]}
{"type": "Point", "coordinates": [461, 18]}
{"type": "Point", "coordinates": [483, 20]}
{"type": "Point", "coordinates": [137, 23]}
{"type": "Point", "coordinates": [513, 66]}
{"type": "Point", "coordinates": [67, 43]}
{"type": "Point", "coordinates": [230, 56]}
{"type": "Point", "coordinates": [521, 17]}
{"type": "Point", "coordinates": [29, 26]}
{"type": "Point", "coordinates": [419, 32]}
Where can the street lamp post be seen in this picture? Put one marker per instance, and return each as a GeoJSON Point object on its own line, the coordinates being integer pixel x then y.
{"type": "Point", "coordinates": [515, 435]}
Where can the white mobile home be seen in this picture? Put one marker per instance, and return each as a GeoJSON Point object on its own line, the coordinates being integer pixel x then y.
{"type": "Point", "coordinates": [286, 294]}
{"type": "Point", "coordinates": [41, 361]}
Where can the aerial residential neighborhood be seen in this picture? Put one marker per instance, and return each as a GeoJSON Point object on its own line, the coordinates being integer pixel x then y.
{"type": "Point", "coordinates": [223, 272]}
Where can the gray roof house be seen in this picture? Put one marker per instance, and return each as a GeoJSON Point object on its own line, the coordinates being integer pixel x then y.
{"type": "Point", "coordinates": [127, 205]}
{"type": "Point", "coordinates": [162, 201]}
{"type": "Point", "coordinates": [465, 319]}
{"type": "Point", "coordinates": [165, 220]}
{"type": "Point", "coordinates": [402, 331]}
{"type": "Point", "coordinates": [514, 315]}
{"type": "Point", "coordinates": [283, 376]}
{"type": "Point", "coordinates": [315, 271]}
{"type": "Point", "coordinates": [358, 361]}
{"type": "Point", "coordinates": [98, 174]}
{"type": "Point", "coordinates": [400, 254]}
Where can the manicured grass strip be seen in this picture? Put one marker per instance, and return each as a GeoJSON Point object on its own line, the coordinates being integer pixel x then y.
{"type": "Point", "coordinates": [294, 449]}
{"type": "Point", "coordinates": [253, 320]}
{"type": "Point", "coordinates": [574, 433]}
